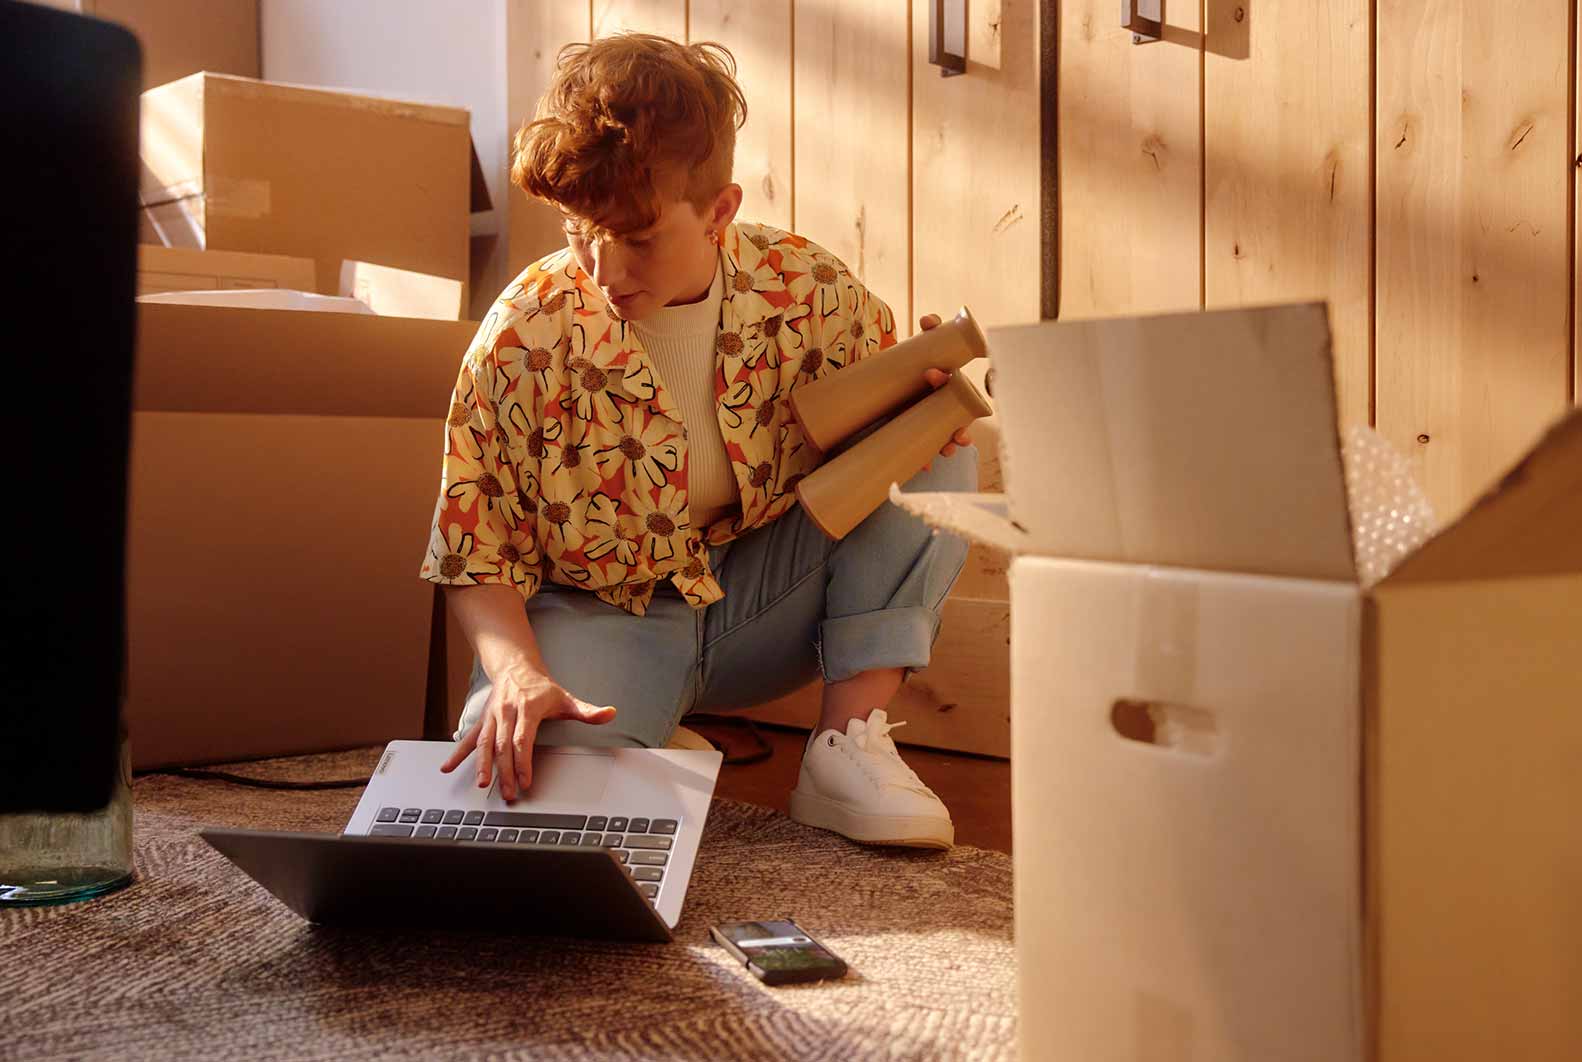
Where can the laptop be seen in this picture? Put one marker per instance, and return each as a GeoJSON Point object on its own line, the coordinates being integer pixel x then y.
{"type": "Point", "coordinates": [602, 845]}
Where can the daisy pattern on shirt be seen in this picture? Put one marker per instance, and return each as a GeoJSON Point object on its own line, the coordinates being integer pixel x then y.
{"type": "Point", "coordinates": [565, 457]}
{"type": "Point", "coordinates": [488, 489]}
{"type": "Point", "coordinates": [746, 406]}
{"type": "Point", "coordinates": [454, 557]}
{"type": "Point", "coordinates": [518, 553]}
{"type": "Point", "coordinates": [658, 522]}
{"type": "Point", "coordinates": [590, 397]}
{"type": "Point", "coordinates": [651, 451]}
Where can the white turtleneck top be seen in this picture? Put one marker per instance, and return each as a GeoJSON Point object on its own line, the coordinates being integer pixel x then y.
{"type": "Point", "coordinates": [680, 342]}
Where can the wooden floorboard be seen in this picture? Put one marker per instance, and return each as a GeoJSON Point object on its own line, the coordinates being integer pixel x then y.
{"type": "Point", "coordinates": [976, 789]}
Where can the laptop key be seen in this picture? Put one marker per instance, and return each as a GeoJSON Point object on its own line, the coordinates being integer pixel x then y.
{"type": "Point", "coordinates": [647, 873]}
{"type": "Point", "coordinates": [617, 826]}
{"type": "Point", "coordinates": [446, 833]}
{"type": "Point", "coordinates": [663, 826]}
{"type": "Point", "coordinates": [390, 829]}
{"type": "Point", "coordinates": [472, 818]}
{"type": "Point", "coordinates": [612, 840]}
{"type": "Point", "coordinates": [597, 822]}
{"type": "Point", "coordinates": [487, 834]}
{"type": "Point", "coordinates": [411, 814]}
{"type": "Point", "coordinates": [650, 859]}
{"type": "Point", "coordinates": [549, 837]}
{"type": "Point", "coordinates": [389, 814]}
{"type": "Point", "coordinates": [433, 815]}
{"type": "Point", "coordinates": [570, 838]}
{"type": "Point", "coordinates": [527, 837]}
{"type": "Point", "coordinates": [648, 889]}
{"type": "Point", "coordinates": [453, 818]}
{"type": "Point", "coordinates": [660, 844]}
{"type": "Point", "coordinates": [466, 833]}
{"type": "Point", "coordinates": [638, 826]}
{"type": "Point", "coordinates": [539, 820]}
{"type": "Point", "coordinates": [425, 831]}
{"type": "Point", "coordinates": [592, 840]}
{"type": "Point", "coordinates": [507, 836]}
{"type": "Point", "coordinates": [620, 854]}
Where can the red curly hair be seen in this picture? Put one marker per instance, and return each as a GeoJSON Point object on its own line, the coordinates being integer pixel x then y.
{"type": "Point", "coordinates": [628, 122]}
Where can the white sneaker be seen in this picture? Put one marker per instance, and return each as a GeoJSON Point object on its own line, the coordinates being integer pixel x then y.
{"type": "Point", "coordinates": [856, 785]}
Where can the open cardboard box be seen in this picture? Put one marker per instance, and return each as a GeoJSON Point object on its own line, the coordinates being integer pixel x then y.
{"type": "Point", "coordinates": [1261, 811]}
{"type": "Point", "coordinates": [236, 164]}
{"type": "Point", "coordinates": [285, 467]}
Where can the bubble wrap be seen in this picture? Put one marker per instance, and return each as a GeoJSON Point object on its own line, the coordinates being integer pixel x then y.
{"type": "Point", "coordinates": [1390, 514]}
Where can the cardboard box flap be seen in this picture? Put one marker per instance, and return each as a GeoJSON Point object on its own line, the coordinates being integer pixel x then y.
{"type": "Point", "coordinates": [253, 88]}
{"type": "Point", "coordinates": [1530, 523]}
{"type": "Point", "coordinates": [979, 517]}
{"type": "Point", "coordinates": [215, 359]}
{"type": "Point", "coordinates": [170, 141]}
{"type": "Point", "coordinates": [1197, 440]}
{"type": "Point", "coordinates": [401, 292]}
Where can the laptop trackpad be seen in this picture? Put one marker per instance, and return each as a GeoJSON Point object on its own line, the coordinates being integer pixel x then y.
{"type": "Point", "coordinates": [570, 776]}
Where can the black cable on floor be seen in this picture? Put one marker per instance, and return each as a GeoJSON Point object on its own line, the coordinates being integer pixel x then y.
{"type": "Point", "coordinates": [207, 775]}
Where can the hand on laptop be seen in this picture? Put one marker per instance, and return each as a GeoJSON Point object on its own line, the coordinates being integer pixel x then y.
{"type": "Point", "coordinates": [521, 699]}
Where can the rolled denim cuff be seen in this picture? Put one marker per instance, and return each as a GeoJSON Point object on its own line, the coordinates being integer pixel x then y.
{"type": "Point", "coordinates": [887, 637]}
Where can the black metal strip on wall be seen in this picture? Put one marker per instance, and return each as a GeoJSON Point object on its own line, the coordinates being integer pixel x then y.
{"type": "Point", "coordinates": [1048, 168]}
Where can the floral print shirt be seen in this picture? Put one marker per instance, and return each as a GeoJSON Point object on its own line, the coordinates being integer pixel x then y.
{"type": "Point", "coordinates": [566, 457]}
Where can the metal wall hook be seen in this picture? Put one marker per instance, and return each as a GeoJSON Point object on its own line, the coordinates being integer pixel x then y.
{"type": "Point", "coordinates": [947, 36]}
{"type": "Point", "coordinates": [1145, 18]}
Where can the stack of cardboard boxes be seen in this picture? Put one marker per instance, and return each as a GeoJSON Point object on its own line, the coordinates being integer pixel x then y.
{"type": "Point", "coordinates": [286, 461]}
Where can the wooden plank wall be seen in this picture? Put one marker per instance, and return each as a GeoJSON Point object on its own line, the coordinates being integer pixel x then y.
{"type": "Point", "coordinates": [927, 187]}
{"type": "Point", "coordinates": [851, 135]}
{"type": "Point", "coordinates": [1287, 169]}
{"type": "Point", "coordinates": [759, 36]}
{"type": "Point", "coordinates": [1413, 162]}
{"type": "Point", "coordinates": [1476, 182]}
{"type": "Point", "coordinates": [535, 33]}
{"type": "Point", "coordinates": [1130, 163]}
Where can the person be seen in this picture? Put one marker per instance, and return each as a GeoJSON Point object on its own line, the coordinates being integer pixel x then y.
{"type": "Point", "coordinates": [617, 523]}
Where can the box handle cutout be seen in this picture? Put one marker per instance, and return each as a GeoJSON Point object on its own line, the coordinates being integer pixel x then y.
{"type": "Point", "coordinates": [1171, 726]}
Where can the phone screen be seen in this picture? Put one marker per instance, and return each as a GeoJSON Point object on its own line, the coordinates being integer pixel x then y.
{"type": "Point", "coordinates": [778, 946]}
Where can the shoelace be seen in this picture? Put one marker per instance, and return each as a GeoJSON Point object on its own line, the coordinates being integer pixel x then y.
{"type": "Point", "coordinates": [884, 763]}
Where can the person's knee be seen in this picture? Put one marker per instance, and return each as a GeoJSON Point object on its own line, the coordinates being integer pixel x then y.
{"type": "Point", "coordinates": [958, 472]}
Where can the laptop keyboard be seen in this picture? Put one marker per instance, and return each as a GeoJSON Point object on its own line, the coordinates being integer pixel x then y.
{"type": "Point", "coordinates": [642, 845]}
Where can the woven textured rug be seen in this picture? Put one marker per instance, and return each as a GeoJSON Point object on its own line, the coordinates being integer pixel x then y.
{"type": "Point", "coordinates": [194, 960]}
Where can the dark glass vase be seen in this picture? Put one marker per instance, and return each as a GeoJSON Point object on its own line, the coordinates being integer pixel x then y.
{"type": "Point", "coordinates": [51, 857]}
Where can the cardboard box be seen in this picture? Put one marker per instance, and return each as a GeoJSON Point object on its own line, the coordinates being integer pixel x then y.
{"type": "Point", "coordinates": [1262, 811]}
{"type": "Point", "coordinates": [284, 471]}
{"type": "Point", "coordinates": [379, 289]}
{"type": "Point", "coordinates": [162, 269]}
{"type": "Point", "coordinates": [181, 37]}
{"type": "Point", "coordinates": [234, 164]}
{"type": "Point", "coordinates": [259, 299]}
{"type": "Point", "coordinates": [401, 292]}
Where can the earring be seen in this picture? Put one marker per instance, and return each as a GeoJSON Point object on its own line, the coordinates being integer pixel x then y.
{"type": "Point", "coordinates": [713, 237]}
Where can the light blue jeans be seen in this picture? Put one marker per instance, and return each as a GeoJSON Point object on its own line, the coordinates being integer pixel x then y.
{"type": "Point", "coordinates": [796, 606]}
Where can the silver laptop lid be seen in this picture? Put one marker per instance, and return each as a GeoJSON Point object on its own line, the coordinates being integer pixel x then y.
{"type": "Point", "coordinates": [584, 792]}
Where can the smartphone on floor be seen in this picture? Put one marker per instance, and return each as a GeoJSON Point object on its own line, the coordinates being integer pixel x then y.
{"type": "Point", "coordinates": [778, 951]}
